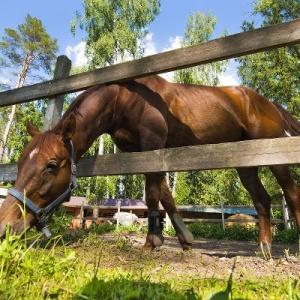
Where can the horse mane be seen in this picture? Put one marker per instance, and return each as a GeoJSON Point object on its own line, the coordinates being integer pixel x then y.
{"type": "Point", "coordinates": [73, 107]}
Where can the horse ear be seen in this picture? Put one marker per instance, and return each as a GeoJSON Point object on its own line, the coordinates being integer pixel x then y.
{"type": "Point", "coordinates": [31, 129]}
{"type": "Point", "coordinates": [68, 127]}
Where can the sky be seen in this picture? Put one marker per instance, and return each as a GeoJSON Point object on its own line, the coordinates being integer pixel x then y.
{"type": "Point", "coordinates": [164, 32]}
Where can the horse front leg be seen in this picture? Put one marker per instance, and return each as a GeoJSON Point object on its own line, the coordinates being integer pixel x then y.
{"type": "Point", "coordinates": [155, 220]}
{"type": "Point", "coordinates": [183, 234]}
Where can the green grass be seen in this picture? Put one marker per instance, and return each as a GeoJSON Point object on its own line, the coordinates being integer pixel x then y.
{"type": "Point", "coordinates": [84, 266]}
{"type": "Point", "coordinates": [238, 232]}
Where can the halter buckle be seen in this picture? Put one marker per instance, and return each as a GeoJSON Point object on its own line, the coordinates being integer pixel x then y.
{"type": "Point", "coordinates": [73, 168]}
{"type": "Point", "coordinates": [41, 214]}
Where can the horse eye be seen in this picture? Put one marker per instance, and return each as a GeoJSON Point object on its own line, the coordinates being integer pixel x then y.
{"type": "Point", "coordinates": [51, 166]}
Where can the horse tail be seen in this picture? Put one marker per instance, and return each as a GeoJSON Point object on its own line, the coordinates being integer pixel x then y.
{"type": "Point", "coordinates": [291, 125]}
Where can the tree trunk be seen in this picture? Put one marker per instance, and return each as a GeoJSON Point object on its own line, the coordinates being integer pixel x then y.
{"type": "Point", "coordinates": [6, 131]}
{"type": "Point", "coordinates": [174, 184]}
{"type": "Point", "coordinates": [20, 83]}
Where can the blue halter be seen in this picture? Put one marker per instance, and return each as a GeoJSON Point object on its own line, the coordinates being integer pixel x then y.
{"type": "Point", "coordinates": [42, 213]}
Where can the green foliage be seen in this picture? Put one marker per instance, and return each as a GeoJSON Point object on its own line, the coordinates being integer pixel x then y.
{"type": "Point", "coordinates": [29, 50]}
{"type": "Point", "coordinates": [29, 45]}
{"type": "Point", "coordinates": [60, 222]}
{"type": "Point", "coordinates": [207, 230]}
{"type": "Point", "coordinates": [287, 236]}
{"type": "Point", "coordinates": [210, 187]}
{"type": "Point", "coordinates": [274, 73]}
{"type": "Point", "coordinates": [19, 138]}
{"type": "Point", "coordinates": [199, 29]}
{"type": "Point", "coordinates": [238, 232]}
{"type": "Point", "coordinates": [115, 28]}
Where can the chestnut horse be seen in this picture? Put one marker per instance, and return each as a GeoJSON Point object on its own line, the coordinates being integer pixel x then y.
{"type": "Point", "coordinates": [148, 114]}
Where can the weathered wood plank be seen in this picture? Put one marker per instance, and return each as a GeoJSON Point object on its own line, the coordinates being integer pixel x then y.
{"type": "Point", "coordinates": [215, 50]}
{"type": "Point", "coordinates": [204, 157]}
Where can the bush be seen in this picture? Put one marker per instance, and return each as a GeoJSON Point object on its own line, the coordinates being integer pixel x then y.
{"type": "Point", "coordinates": [207, 230]}
{"type": "Point", "coordinates": [287, 236]}
{"type": "Point", "coordinates": [241, 233]}
{"type": "Point", "coordinates": [238, 232]}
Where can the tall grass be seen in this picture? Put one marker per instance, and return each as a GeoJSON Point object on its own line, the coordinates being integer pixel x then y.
{"type": "Point", "coordinates": [31, 268]}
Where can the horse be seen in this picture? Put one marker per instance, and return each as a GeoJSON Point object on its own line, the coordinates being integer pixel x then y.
{"type": "Point", "coordinates": [145, 114]}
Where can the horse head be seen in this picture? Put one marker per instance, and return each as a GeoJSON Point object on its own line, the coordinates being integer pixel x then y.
{"type": "Point", "coordinates": [45, 178]}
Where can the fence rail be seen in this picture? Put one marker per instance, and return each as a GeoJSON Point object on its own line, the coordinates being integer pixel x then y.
{"type": "Point", "coordinates": [219, 156]}
{"type": "Point", "coordinates": [249, 42]}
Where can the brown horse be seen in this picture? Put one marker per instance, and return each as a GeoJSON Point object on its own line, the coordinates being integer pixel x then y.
{"type": "Point", "coordinates": [148, 114]}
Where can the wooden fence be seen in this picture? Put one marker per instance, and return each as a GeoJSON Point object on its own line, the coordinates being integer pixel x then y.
{"type": "Point", "coordinates": [84, 215]}
{"type": "Point", "coordinates": [227, 155]}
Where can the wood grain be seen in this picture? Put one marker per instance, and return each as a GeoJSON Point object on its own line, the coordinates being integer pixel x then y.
{"type": "Point", "coordinates": [219, 49]}
{"type": "Point", "coordinates": [204, 157]}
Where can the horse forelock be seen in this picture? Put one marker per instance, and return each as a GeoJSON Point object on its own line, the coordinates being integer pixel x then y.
{"type": "Point", "coordinates": [42, 143]}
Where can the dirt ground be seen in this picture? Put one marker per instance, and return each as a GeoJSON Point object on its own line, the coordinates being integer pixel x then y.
{"type": "Point", "coordinates": [216, 258]}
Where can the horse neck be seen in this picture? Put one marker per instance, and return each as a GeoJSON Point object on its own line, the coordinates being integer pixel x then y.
{"type": "Point", "coordinates": [94, 116]}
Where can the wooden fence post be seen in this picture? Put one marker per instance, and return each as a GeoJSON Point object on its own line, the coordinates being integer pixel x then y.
{"type": "Point", "coordinates": [223, 215]}
{"type": "Point", "coordinates": [285, 213]}
{"type": "Point", "coordinates": [95, 215]}
{"type": "Point", "coordinates": [81, 217]}
{"type": "Point", "coordinates": [118, 215]}
{"type": "Point", "coordinates": [54, 107]}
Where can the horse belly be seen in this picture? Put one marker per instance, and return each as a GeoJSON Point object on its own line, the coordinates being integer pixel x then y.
{"type": "Point", "coordinates": [211, 127]}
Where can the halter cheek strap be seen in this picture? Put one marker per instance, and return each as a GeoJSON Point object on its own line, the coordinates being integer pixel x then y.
{"type": "Point", "coordinates": [42, 213]}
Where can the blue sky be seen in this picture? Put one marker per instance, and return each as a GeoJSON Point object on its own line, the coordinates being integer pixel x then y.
{"type": "Point", "coordinates": [165, 31]}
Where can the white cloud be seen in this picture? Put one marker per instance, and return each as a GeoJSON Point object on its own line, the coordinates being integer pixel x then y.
{"type": "Point", "coordinates": [230, 77]}
{"type": "Point", "coordinates": [149, 45]}
{"type": "Point", "coordinates": [175, 43]}
{"type": "Point", "coordinates": [76, 54]}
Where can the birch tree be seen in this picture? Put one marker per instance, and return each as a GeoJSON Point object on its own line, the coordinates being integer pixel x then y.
{"type": "Point", "coordinates": [115, 28]}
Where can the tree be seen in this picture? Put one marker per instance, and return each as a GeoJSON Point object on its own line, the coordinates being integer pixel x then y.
{"type": "Point", "coordinates": [115, 28]}
{"type": "Point", "coordinates": [27, 49]}
{"type": "Point", "coordinates": [274, 73]}
{"type": "Point", "coordinates": [199, 29]}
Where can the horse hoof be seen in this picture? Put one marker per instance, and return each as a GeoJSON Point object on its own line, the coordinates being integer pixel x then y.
{"type": "Point", "coordinates": [264, 250]}
{"type": "Point", "coordinates": [147, 247]}
{"type": "Point", "coordinates": [153, 241]}
{"type": "Point", "coordinates": [187, 247]}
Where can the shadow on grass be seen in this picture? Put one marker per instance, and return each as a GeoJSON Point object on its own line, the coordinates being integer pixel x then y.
{"type": "Point", "coordinates": [129, 289]}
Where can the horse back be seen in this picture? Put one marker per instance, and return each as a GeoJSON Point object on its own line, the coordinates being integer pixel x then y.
{"type": "Point", "coordinates": [170, 115]}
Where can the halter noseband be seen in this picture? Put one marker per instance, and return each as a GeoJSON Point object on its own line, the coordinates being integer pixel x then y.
{"type": "Point", "coordinates": [42, 213]}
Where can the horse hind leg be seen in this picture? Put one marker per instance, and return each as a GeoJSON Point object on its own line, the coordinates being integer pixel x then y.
{"type": "Point", "coordinates": [290, 190]}
{"type": "Point", "coordinates": [262, 202]}
{"type": "Point", "coordinates": [153, 194]}
{"type": "Point", "coordinates": [184, 236]}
